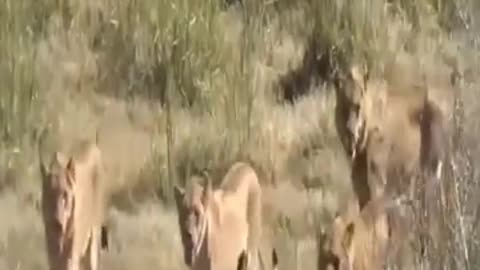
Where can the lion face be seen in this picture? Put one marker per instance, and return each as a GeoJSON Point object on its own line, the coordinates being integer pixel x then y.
{"type": "Point", "coordinates": [353, 110]}
{"type": "Point", "coordinates": [340, 244]}
{"type": "Point", "coordinates": [364, 241]}
{"type": "Point", "coordinates": [192, 219]}
{"type": "Point", "coordinates": [59, 198]}
{"type": "Point", "coordinates": [356, 125]}
{"type": "Point", "coordinates": [356, 122]}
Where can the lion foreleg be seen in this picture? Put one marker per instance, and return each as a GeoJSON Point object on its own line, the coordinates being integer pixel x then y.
{"type": "Point", "coordinates": [93, 250]}
{"type": "Point", "coordinates": [73, 263]}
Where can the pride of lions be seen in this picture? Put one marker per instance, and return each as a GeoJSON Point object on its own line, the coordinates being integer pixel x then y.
{"type": "Point", "coordinates": [221, 227]}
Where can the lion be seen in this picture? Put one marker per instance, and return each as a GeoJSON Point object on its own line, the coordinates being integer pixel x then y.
{"type": "Point", "coordinates": [395, 135]}
{"type": "Point", "coordinates": [388, 133]}
{"type": "Point", "coordinates": [217, 225]}
{"type": "Point", "coordinates": [398, 143]}
{"type": "Point", "coordinates": [360, 99]}
{"type": "Point", "coordinates": [73, 207]}
{"type": "Point", "coordinates": [365, 241]}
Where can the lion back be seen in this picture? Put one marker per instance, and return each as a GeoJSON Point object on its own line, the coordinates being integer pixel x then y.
{"type": "Point", "coordinates": [243, 180]}
{"type": "Point", "coordinates": [90, 201]}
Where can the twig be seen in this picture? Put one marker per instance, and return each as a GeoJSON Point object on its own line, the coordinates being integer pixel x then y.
{"type": "Point", "coordinates": [169, 139]}
{"type": "Point", "coordinates": [460, 218]}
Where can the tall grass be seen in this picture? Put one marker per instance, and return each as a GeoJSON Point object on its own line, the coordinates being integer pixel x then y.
{"type": "Point", "coordinates": [189, 85]}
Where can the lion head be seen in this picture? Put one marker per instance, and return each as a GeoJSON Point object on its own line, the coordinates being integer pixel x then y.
{"type": "Point", "coordinates": [351, 109]}
{"type": "Point", "coordinates": [192, 218]}
{"type": "Point", "coordinates": [366, 240]}
{"type": "Point", "coordinates": [58, 199]}
{"type": "Point", "coordinates": [343, 233]}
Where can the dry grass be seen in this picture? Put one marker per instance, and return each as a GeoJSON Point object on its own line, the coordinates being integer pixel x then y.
{"type": "Point", "coordinates": [178, 86]}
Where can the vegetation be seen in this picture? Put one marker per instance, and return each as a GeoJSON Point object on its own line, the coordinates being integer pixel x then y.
{"type": "Point", "coordinates": [175, 87]}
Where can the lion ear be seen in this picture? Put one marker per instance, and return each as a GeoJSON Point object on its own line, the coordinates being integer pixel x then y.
{"type": "Point", "coordinates": [338, 222]}
{"type": "Point", "coordinates": [178, 194]}
{"type": "Point", "coordinates": [71, 171]}
{"type": "Point", "coordinates": [60, 158]}
{"type": "Point", "coordinates": [356, 74]}
{"type": "Point", "coordinates": [360, 75]}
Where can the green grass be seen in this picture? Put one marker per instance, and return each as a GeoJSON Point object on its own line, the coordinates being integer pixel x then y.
{"type": "Point", "coordinates": [179, 86]}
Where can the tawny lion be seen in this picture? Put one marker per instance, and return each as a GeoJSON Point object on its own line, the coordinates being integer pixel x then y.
{"type": "Point", "coordinates": [73, 207]}
{"type": "Point", "coordinates": [389, 134]}
{"type": "Point", "coordinates": [365, 241]}
{"type": "Point", "coordinates": [217, 225]}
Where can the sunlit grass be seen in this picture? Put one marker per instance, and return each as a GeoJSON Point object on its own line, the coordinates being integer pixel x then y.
{"type": "Point", "coordinates": [189, 85]}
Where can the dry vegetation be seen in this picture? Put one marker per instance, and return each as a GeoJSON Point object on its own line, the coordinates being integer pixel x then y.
{"type": "Point", "coordinates": [178, 86]}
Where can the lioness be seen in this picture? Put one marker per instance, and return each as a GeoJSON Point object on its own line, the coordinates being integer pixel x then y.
{"type": "Point", "coordinates": [73, 207]}
{"type": "Point", "coordinates": [364, 241]}
{"type": "Point", "coordinates": [217, 225]}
